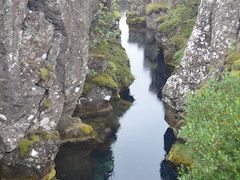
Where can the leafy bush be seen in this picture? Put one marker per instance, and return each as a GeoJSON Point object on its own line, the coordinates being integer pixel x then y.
{"type": "Point", "coordinates": [212, 130]}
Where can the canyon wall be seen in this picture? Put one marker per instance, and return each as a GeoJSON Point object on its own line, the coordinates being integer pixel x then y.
{"type": "Point", "coordinates": [43, 64]}
{"type": "Point", "coordinates": [216, 31]}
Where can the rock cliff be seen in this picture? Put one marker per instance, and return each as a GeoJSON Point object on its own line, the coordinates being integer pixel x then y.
{"type": "Point", "coordinates": [216, 30]}
{"type": "Point", "coordinates": [43, 64]}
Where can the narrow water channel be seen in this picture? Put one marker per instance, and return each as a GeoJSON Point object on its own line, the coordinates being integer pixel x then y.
{"type": "Point", "coordinates": [138, 149]}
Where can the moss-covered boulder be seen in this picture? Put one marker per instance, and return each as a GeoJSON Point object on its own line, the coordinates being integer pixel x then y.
{"type": "Point", "coordinates": [180, 154]}
{"type": "Point", "coordinates": [77, 131]}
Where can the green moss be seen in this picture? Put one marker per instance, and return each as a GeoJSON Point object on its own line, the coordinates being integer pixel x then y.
{"type": "Point", "coordinates": [50, 175]}
{"type": "Point", "coordinates": [117, 74]}
{"type": "Point", "coordinates": [47, 72]}
{"type": "Point", "coordinates": [168, 25]}
{"type": "Point", "coordinates": [155, 7]}
{"type": "Point", "coordinates": [47, 135]}
{"type": "Point", "coordinates": [25, 144]}
{"type": "Point", "coordinates": [98, 56]}
{"type": "Point", "coordinates": [137, 20]}
{"type": "Point", "coordinates": [178, 56]}
{"type": "Point", "coordinates": [161, 19]}
{"type": "Point", "coordinates": [131, 14]}
{"type": "Point", "coordinates": [104, 80]}
{"type": "Point", "coordinates": [233, 62]}
{"type": "Point", "coordinates": [46, 103]}
{"type": "Point", "coordinates": [178, 40]}
{"type": "Point", "coordinates": [44, 73]}
{"type": "Point", "coordinates": [177, 25]}
{"type": "Point", "coordinates": [87, 129]}
{"type": "Point", "coordinates": [181, 154]}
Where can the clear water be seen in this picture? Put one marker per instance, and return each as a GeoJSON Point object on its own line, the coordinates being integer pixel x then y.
{"type": "Point", "coordinates": [138, 150]}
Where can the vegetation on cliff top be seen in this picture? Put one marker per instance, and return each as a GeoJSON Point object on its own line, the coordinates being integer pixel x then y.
{"type": "Point", "coordinates": [156, 7]}
{"type": "Point", "coordinates": [177, 25]}
{"type": "Point", "coordinates": [212, 130]}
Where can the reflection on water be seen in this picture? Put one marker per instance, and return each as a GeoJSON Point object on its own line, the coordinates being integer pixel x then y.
{"type": "Point", "coordinates": [139, 145]}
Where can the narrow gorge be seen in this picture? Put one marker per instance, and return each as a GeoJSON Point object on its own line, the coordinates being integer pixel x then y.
{"type": "Point", "coordinates": [119, 89]}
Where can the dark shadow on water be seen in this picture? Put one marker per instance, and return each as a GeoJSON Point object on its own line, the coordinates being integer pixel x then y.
{"type": "Point", "coordinates": [168, 170]}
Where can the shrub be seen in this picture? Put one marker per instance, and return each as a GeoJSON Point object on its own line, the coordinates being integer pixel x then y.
{"type": "Point", "coordinates": [212, 130]}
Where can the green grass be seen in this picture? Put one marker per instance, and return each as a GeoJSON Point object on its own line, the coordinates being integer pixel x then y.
{"type": "Point", "coordinates": [155, 7]}
{"type": "Point", "coordinates": [212, 130]}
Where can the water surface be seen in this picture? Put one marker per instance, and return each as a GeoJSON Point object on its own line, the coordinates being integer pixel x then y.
{"type": "Point", "coordinates": [139, 148]}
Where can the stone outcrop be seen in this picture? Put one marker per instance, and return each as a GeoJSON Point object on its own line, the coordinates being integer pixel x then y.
{"type": "Point", "coordinates": [43, 64]}
{"type": "Point", "coordinates": [216, 30]}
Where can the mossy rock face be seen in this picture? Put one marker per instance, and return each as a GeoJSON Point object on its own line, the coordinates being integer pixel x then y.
{"type": "Point", "coordinates": [117, 74]}
{"type": "Point", "coordinates": [233, 63]}
{"type": "Point", "coordinates": [104, 80]}
{"type": "Point", "coordinates": [26, 143]}
{"type": "Point", "coordinates": [27, 161]}
{"type": "Point", "coordinates": [137, 21]}
{"type": "Point", "coordinates": [46, 73]}
{"type": "Point", "coordinates": [177, 26]}
{"type": "Point", "coordinates": [156, 7]}
{"type": "Point", "coordinates": [180, 154]}
{"type": "Point", "coordinates": [78, 132]}
{"type": "Point", "coordinates": [46, 103]}
{"type": "Point", "coordinates": [51, 175]}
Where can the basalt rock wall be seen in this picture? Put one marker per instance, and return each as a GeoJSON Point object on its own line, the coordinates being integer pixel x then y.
{"type": "Point", "coordinates": [43, 64]}
{"type": "Point", "coordinates": [216, 31]}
